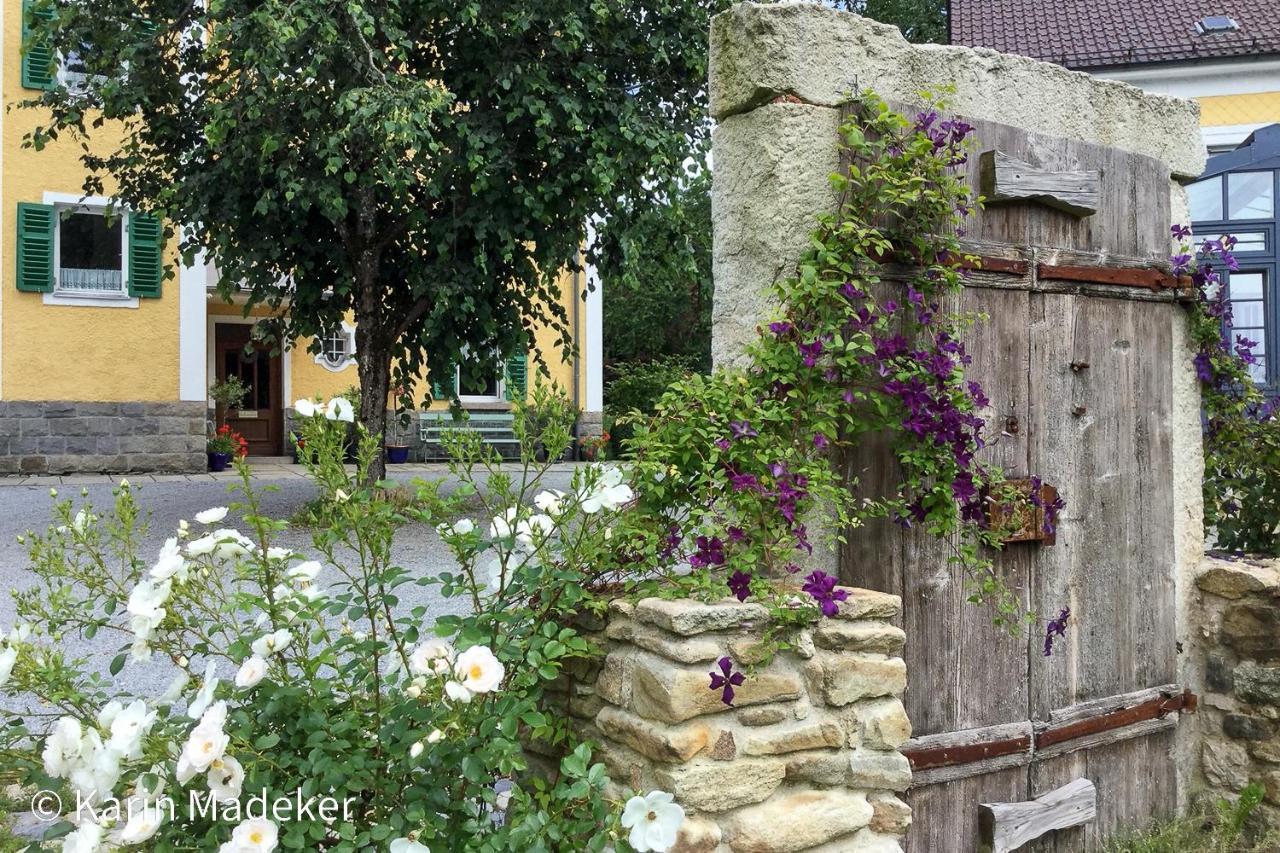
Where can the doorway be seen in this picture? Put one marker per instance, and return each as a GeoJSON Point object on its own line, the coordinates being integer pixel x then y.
{"type": "Point", "coordinates": [261, 418]}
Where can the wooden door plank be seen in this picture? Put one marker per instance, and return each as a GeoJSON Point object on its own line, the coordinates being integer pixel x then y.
{"type": "Point", "coordinates": [1005, 827]}
{"type": "Point", "coordinates": [945, 817]}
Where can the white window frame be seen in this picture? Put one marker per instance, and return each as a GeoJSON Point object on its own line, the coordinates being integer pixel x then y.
{"type": "Point", "coordinates": [348, 331]}
{"type": "Point", "coordinates": [61, 203]}
{"type": "Point", "coordinates": [500, 395]}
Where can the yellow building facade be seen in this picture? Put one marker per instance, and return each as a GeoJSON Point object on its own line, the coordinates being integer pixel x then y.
{"type": "Point", "coordinates": [106, 365]}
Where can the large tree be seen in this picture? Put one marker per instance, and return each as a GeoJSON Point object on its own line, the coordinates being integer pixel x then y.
{"type": "Point", "coordinates": [427, 165]}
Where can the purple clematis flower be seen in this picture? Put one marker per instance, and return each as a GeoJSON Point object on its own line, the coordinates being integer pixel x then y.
{"type": "Point", "coordinates": [1180, 232]}
{"type": "Point", "coordinates": [725, 680]}
{"type": "Point", "coordinates": [1056, 627]}
{"type": "Point", "coordinates": [742, 429]}
{"type": "Point", "coordinates": [822, 587]}
{"type": "Point", "coordinates": [740, 585]}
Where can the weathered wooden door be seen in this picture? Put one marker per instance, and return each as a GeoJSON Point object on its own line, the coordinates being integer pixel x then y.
{"type": "Point", "coordinates": [1075, 357]}
{"type": "Point", "coordinates": [261, 418]}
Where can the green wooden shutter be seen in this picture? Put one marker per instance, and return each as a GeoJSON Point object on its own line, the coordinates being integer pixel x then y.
{"type": "Point", "coordinates": [437, 388]}
{"type": "Point", "coordinates": [35, 247]}
{"type": "Point", "coordinates": [38, 68]}
{"type": "Point", "coordinates": [146, 268]}
{"type": "Point", "coordinates": [518, 377]}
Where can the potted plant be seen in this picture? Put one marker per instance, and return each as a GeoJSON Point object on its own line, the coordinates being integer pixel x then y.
{"type": "Point", "coordinates": [225, 444]}
{"type": "Point", "coordinates": [397, 448]}
{"type": "Point", "coordinates": [227, 395]}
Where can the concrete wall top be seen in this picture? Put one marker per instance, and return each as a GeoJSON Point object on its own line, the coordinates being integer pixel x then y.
{"type": "Point", "coordinates": [817, 54]}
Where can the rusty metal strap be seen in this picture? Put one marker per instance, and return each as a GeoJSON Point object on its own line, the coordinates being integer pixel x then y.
{"type": "Point", "coordinates": [932, 757]}
{"type": "Point", "coordinates": [1149, 278]}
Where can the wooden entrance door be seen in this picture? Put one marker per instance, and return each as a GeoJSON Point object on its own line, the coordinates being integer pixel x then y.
{"type": "Point", "coordinates": [1075, 356]}
{"type": "Point", "coordinates": [261, 419]}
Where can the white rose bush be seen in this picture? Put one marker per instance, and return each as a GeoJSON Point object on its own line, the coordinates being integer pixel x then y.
{"type": "Point", "coordinates": [306, 678]}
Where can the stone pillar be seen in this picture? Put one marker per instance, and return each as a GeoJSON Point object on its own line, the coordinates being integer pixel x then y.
{"type": "Point", "coordinates": [1237, 658]}
{"type": "Point", "coordinates": [806, 759]}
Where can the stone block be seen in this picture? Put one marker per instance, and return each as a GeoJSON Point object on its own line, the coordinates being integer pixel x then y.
{"type": "Point", "coordinates": [614, 681]}
{"type": "Point", "coordinates": [680, 649]}
{"type": "Point", "coordinates": [1226, 764]}
{"type": "Point", "coordinates": [712, 786]}
{"type": "Point", "coordinates": [661, 743]}
{"type": "Point", "coordinates": [883, 723]}
{"type": "Point", "coordinates": [821, 767]}
{"type": "Point", "coordinates": [863, 604]}
{"type": "Point", "coordinates": [762, 716]}
{"type": "Point", "coordinates": [877, 770]}
{"type": "Point", "coordinates": [689, 618]}
{"type": "Point", "coordinates": [1237, 578]}
{"type": "Point", "coordinates": [50, 445]}
{"type": "Point", "coordinates": [794, 737]}
{"type": "Point", "coordinates": [796, 820]}
{"type": "Point", "coordinates": [1257, 684]}
{"type": "Point", "coordinates": [814, 53]}
{"type": "Point", "coordinates": [1245, 727]}
{"type": "Point", "coordinates": [662, 690]}
{"type": "Point", "coordinates": [697, 835]}
{"type": "Point", "coordinates": [1253, 630]}
{"type": "Point", "coordinates": [878, 637]}
{"type": "Point", "coordinates": [846, 678]}
{"type": "Point", "coordinates": [725, 747]}
{"type": "Point", "coordinates": [1217, 675]}
{"type": "Point", "coordinates": [889, 814]}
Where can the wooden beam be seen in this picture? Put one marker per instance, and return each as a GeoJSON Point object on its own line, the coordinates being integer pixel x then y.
{"type": "Point", "coordinates": [1007, 826]}
{"type": "Point", "coordinates": [1007, 179]}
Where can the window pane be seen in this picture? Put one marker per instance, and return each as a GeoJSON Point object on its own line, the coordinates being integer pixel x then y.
{"type": "Point", "coordinates": [1249, 241]}
{"type": "Point", "coordinates": [89, 253]}
{"type": "Point", "coordinates": [1245, 285]}
{"type": "Point", "coordinates": [1206, 199]}
{"type": "Point", "coordinates": [1251, 195]}
{"type": "Point", "coordinates": [1247, 315]}
{"type": "Point", "coordinates": [481, 388]}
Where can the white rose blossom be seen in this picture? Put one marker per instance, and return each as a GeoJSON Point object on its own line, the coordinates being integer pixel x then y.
{"type": "Point", "coordinates": [62, 747]}
{"type": "Point", "coordinates": [340, 409]}
{"type": "Point", "coordinates": [408, 845]}
{"type": "Point", "coordinates": [305, 408]}
{"type": "Point", "coordinates": [551, 501]}
{"type": "Point", "coordinates": [477, 670]}
{"type": "Point", "coordinates": [654, 821]}
{"type": "Point", "coordinates": [8, 658]}
{"type": "Point", "coordinates": [251, 672]}
{"type": "Point", "coordinates": [226, 779]}
{"type": "Point", "coordinates": [143, 823]}
{"type": "Point", "coordinates": [205, 745]}
{"type": "Point", "coordinates": [273, 643]}
{"type": "Point", "coordinates": [431, 657]}
{"type": "Point", "coordinates": [170, 563]}
{"type": "Point", "coordinates": [255, 835]}
{"type": "Point", "coordinates": [86, 839]}
{"type": "Point", "coordinates": [608, 492]}
{"type": "Point", "coordinates": [128, 727]}
{"type": "Point", "coordinates": [204, 697]}
{"type": "Point", "coordinates": [212, 515]}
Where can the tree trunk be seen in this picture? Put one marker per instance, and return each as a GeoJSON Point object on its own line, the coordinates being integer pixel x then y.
{"type": "Point", "coordinates": [375, 385]}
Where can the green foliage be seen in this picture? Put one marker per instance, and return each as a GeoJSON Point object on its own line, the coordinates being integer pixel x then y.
{"type": "Point", "coordinates": [427, 166]}
{"type": "Point", "coordinates": [919, 20]}
{"type": "Point", "coordinates": [1222, 830]}
{"type": "Point", "coordinates": [655, 267]}
{"type": "Point", "coordinates": [736, 462]}
{"type": "Point", "coordinates": [356, 696]}
{"type": "Point", "coordinates": [634, 392]}
{"type": "Point", "coordinates": [1241, 427]}
{"type": "Point", "coordinates": [228, 394]}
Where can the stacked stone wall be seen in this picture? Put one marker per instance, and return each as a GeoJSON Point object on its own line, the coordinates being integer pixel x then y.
{"type": "Point", "coordinates": [1238, 662]}
{"type": "Point", "coordinates": [806, 759]}
{"type": "Point", "coordinates": [64, 437]}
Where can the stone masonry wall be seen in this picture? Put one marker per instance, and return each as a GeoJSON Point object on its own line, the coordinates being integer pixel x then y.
{"type": "Point", "coordinates": [64, 437]}
{"type": "Point", "coordinates": [1237, 657]}
{"type": "Point", "coordinates": [806, 760]}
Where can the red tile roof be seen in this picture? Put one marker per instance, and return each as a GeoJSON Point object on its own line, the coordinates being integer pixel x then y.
{"type": "Point", "coordinates": [1099, 33]}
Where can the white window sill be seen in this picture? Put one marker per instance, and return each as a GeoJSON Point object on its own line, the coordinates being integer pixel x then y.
{"type": "Point", "coordinates": [335, 368]}
{"type": "Point", "coordinates": [90, 300]}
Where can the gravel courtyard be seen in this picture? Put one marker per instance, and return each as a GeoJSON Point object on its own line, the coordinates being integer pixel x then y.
{"type": "Point", "coordinates": [28, 506]}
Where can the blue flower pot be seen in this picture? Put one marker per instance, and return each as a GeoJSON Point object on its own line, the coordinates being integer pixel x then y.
{"type": "Point", "coordinates": [398, 455]}
{"type": "Point", "coordinates": [219, 461]}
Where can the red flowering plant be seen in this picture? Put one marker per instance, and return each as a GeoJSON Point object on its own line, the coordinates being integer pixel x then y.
{"type": "Point", "coordinates": [228, 441]}
{"type": "Point", "coordinates": [735, 466]}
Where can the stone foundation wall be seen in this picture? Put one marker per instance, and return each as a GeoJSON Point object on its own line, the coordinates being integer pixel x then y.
{"type": "Point", "coordinates": [806, 759]}
{"type": "Point", "coordinates": [1237, 657]}
{"type": "Point", "coordinates": [65, 437]}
